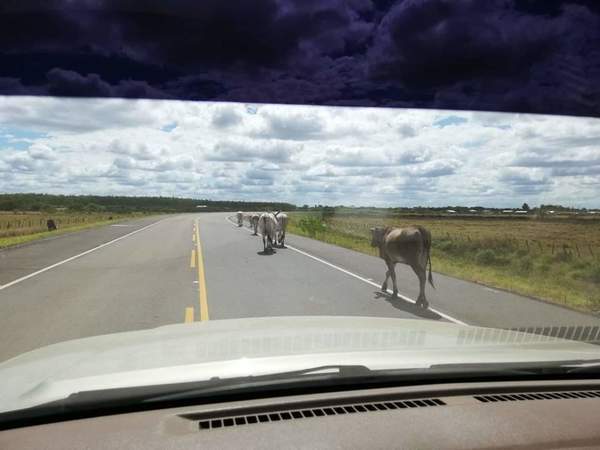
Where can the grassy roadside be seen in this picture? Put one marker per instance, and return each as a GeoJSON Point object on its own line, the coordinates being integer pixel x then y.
{"type": "Point", "coordinates": [10, 241]}
{"type": "Point", "coordinates": [559, 277]}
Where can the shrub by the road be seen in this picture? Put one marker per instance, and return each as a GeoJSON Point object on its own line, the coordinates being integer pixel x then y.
{"type": "Point", "coordinates": [311, 225]}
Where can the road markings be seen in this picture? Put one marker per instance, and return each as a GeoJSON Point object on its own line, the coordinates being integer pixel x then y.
{"type": "Point", "coordinates": [366, 280]}
{"type": "Point", "coordinates": [193, 259]}
{"type": "Point", "coordinates": [201, 278]}
{"type": "Point", "coordinates": [189, 314]}
{"type": "Point", "coordinates": [64, 261]}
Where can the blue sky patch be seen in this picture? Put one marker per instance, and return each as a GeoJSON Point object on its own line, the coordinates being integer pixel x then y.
{"type": "Point", "coordinates": [169, 127]}
{"type": "Point", "coordinates": [448, 121]}
{"type": "Point", "coordinates": [18, 138]}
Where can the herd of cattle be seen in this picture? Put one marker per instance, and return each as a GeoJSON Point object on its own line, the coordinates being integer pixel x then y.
{"type": "Point", "coordinates": [271, 227]}
{"type": "Point", "coordinates": [409, 245]}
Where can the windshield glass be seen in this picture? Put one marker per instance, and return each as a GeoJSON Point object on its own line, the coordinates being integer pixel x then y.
{"type": "Point", "coordinates": [317, 228]}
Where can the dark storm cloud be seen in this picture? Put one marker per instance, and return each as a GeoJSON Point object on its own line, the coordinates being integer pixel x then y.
{"type": "Point", "coordinates": [536, 161]}
{"type": "Point", "coordinates": [234, 151]}
{"type": "Point", "coordinates": [500, 55]}
{"type": "Point", "coordinates": [296, 127]}
{"type": "Point", "coordinates": [524, 183]}
{"type": "Point", "coordinates": [225, 117]}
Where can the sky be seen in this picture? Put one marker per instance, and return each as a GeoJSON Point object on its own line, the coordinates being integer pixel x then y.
{"type": "Point", "coordinates": [536, 56]}
{"type": "Point", "coordinates": [301, 154]}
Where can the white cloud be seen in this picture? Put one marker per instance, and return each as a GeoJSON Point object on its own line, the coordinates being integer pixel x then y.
{"type": "Point", "coordinates": [360, 156]}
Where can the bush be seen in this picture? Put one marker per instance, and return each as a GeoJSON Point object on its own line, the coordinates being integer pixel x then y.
{"type": "Point", "coordinates": [562, 256]}
{"type": "Point", "coordinates": [311, 225]}
{"type": "Point", "coordinates": [523, 265]}
{"type": "Point", "coordinates": [485, 257]}
{"type": "Point", "coordinates": [590, 273]}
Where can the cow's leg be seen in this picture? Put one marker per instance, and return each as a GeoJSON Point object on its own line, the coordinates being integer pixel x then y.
{"type": "Point", "coordinates": [393, 274]}
{"type": "Point", "coordinates": [283, 239]}
{"type": "Point", "coordinates": [389, 273]}
{"type": "Point", "coordinates": [422, 274]}
{"type": "Point", "coordinates": [384, 285]}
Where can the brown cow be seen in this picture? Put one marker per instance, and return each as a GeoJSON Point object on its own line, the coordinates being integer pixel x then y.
{"type": "Point", "coordinates": [410, 245]}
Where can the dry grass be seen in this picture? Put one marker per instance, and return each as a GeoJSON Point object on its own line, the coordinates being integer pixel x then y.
{"type": "Point", "coordinates": [555, 260]}
{"type": "Point", "coordinates": [20, 228]}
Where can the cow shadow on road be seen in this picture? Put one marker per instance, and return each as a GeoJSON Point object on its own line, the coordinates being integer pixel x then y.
{"type": "Point", "coordinates": [408, 307]}
{"type": "Point", "coordinates": [266, 253]}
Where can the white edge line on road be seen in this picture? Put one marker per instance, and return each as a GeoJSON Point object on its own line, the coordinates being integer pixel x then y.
{"type": "Point", "coordinates": [365, 280]}
{"type": "Point", "coordinates": [60, 263]}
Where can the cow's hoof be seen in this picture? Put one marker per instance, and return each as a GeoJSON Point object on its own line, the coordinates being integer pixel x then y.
{"type": "Point", "coordinates": [423, 304]}
{"type": "Point", "coordinates": [395, 294]}
{"type": "Point", "coordinates": [384, 287]}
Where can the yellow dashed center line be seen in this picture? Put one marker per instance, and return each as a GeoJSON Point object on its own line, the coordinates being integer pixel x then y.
{"type": "Point", "coordinates": [189, 314]}
{"type": "Point", "coordinates": [201, 278]}
{"type": "Point", "coordinates": [193, 259]}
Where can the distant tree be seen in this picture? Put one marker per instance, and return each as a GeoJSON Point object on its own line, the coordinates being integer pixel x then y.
{"type": "Point", "coordinates": [328, 212]}
{"type": "Point", "coordinates": [525, 207]}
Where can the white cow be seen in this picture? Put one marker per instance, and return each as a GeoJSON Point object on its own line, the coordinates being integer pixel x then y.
{"type": "Point", "coordinates": [240, 218]}
{"type": "Point", "coordinates": [254, 222]}
{"type": "Point", "coordinates": [282, 222]}
{"type": "Point", "coordinates": [246, 217]}
{"type": "Point", "coordinates": [267, 226]}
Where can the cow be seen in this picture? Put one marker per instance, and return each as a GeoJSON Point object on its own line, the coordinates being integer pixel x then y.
{"type": "Point", "coordinates": [409, 245]}
{"type": "Point", "coordinates": [282, 222]}
{"type": "Point", "coordinates": [254, 223]}
{"type": "Point", "coordinates": [239, 215]}
{"type": "Point", "coordinates": [267, 227]}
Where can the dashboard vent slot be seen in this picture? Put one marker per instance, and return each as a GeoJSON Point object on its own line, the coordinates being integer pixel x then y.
{"type": "Point", "coordinates": [294, 414]}
{"type": "Point", "coordinates": [495, 398]}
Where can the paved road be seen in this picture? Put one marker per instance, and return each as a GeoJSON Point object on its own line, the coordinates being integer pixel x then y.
{"type": "Point", "coordinates": [147, 273]}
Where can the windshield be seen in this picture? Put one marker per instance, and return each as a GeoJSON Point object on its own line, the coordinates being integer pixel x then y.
{"type": "Point", "coordinates": [334, 236]}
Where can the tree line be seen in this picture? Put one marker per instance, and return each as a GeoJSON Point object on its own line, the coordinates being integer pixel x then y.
{"type": "Point", "coordinates": [122, 204]}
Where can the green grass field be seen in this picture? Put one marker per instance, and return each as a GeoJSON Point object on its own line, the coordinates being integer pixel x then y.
{"type": "Point", "coordinates": [556, 260]}
{"type": "Point", "coordinates": [18, 228]}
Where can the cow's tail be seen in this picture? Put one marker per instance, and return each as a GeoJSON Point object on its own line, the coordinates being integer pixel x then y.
{"type": "Point", "coordinates": [427, 245]}
{"type": "Point", "coordinates": [430, 277]}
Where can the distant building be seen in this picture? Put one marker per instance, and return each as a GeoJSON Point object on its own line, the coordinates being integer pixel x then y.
{"type": "Point", "coordinates": [507, 211]}
{"type": "Point", "coordinates": [200, 206]}
{"type": "Point", "coordinates": [472, 210]}
{"type": "Point", "coordinates": [450, 211]}
{"type": "Point", "coordinates": [520, 211]}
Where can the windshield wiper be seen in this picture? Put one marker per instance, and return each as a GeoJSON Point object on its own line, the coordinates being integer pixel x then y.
{"type": "Point", "coordinates": [217, 384]}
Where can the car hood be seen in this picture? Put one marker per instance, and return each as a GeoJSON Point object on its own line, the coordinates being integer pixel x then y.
{"type": "Point", "coordinates": [257, 346]}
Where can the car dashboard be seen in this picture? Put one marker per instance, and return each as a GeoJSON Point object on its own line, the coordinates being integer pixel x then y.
{"type": "Point", "coordinates": [541, 414]}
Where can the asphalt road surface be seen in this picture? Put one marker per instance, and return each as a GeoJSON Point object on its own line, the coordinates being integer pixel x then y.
{"type": "Point", "coordinates": [162, 270]}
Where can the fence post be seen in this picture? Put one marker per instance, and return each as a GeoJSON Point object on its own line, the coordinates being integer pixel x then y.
{"type": "Point", "coordinates": [553, 247]}
{"type": "Point", "coordinates": [541, 246]}
{"type": "Point", "coordinates": [590, 249]}
{"type": "Point", "coordinates": [527, 245]}
{"type": "Point", "coordinates": [578, 252]}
